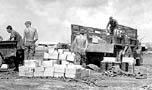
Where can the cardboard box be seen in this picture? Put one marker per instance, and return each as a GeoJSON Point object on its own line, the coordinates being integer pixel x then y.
{"type": "Point", "coordinates": [53, 56]}
{"type": "Point", "coordinates": [60, 51]}
{"type": "Point", "coordinates": [51, 50]}
{"type": "Point", "coordinates": [67, 53]}
{"type": "Point", "coordinates": [59, 68]}
{"type": "Point", "coordinates": [37, 69]}
{"type": "Point", "coordinates": [71, 58]}
{"type": "Point", "coordinates": [70, 75]}
{"type": "Point", "coordinates": [26, 71]}
{"type": "Point", "coordinates": [29, 74]}
{"type": "Point", "coordinates": [62, 56]}
{"type": "Point", "coordinates": [48, 74]}
{"type": "Point", "coordinates": [75, 66]}
{"type": "Point", "coordinates": [64, 62]}
{"type": "Point", "coordinates": [39, 74]}
{"type": "Point", "coordinates": [49, 71]}
{"type": "Point", "coordinates": [57, 74]}
{"type": "Point", "coordinates": [95, 39]}
{"type": "Point", "coordinates": [46, 55]}
{"type": "Point", "coordinates": [31, 63]}
{"type": "Point", "coordinates": [23, 68]}
{"type": "Point", "coordinates": [72, 70]}
{"type": "Point", "coordinates": [49, 63]}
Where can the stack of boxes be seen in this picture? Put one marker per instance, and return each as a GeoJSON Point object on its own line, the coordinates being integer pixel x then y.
{"type": "Point", "coordinates": [70, 71]}
{"type": "Point", "coordinates": [109, 62]}
{"type": "Point", "coordinates": [55, 63]}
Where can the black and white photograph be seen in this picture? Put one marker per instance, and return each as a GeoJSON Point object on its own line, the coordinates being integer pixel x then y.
{"type": "Point", "coordinates": [75, 45]}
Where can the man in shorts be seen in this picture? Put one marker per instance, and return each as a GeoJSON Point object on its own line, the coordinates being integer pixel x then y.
{"type": "Point", "coordinates": [30, 38]}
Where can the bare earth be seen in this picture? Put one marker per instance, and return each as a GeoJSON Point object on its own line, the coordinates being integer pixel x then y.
{"type": "Point", "coordinates": [97, 81]}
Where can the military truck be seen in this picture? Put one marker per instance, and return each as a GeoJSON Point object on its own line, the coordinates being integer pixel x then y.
{"type": "Point", "coordinates": [103, 45]}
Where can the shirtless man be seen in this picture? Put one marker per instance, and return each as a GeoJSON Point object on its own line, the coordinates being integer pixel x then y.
{"type": "Point", "coordinates": [30, 37]}
{"type": "Point", "coordinates": [79, 46]}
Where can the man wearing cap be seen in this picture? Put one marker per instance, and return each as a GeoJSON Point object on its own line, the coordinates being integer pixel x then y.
{"type": "Point", "coordinates": [15, 36]}
{"type": "Point", "coordinates": [113, 25]}
{"type": "Point", "coordinates": [30, 37]}
{"type": "Point", "coordinates": [79, 46]}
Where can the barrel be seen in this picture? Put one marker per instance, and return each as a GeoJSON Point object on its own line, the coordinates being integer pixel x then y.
{"type": "Point", "coordinates": [124, 66]}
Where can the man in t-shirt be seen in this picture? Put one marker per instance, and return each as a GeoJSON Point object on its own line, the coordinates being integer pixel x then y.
{"type": "Point", "coordinates": [30, 38]}
{"type": "Point", "coordinates": [15, 36]}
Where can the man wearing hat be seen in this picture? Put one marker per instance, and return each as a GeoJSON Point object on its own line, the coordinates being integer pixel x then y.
{"type": "Point", "coordinates": [30, 37]}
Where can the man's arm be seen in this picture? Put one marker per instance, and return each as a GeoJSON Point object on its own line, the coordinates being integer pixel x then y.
{"type": "Point", "coordinates": [1, 38]}
{"type": "Point", "coordinates": [74, 44]}
{"type": "Point", "coordinates": [36, 36]}
{"type": "Point", "coordinates": [24, 37]}
{"type": "Point", "coordinates": [86, 45]}
{"type": "Point", "coordinates": [116, 24]}
{"type": "Point", "coordinates": [108, 25]}
{"type": "Point", "coordinates": [12, 37]}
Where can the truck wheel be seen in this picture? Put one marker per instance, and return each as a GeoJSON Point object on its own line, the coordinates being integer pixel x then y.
{"type": "Point", "coordinates": [1, 60]}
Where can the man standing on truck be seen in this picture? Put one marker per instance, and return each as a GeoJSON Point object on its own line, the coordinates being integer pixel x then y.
{"type": "Point", "coordinates": [15, 36]}
{"type": "Point", "coordinates": [79, 46]}
{"type": "Point", "coordinates": [113, 25]}
{"type": "Point", "coordinates": [30, 38]}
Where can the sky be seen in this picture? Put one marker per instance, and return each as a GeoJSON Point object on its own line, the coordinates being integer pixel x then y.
{"type": "Point", "coordinates": [53, 18]}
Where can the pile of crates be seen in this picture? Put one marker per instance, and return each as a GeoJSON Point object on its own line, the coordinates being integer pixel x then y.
{"type": "Point", "coordinates": [68, 71]}
{"type": "Point", "coordinates": [55, 63]}
{"type": "Point", "coordinates": [60, 56]}
{"type": "Point", "coordinates": [109, 62]}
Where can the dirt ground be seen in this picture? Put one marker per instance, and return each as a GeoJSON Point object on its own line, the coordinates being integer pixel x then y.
{"type": "Point", "coordinates": [97, 81]}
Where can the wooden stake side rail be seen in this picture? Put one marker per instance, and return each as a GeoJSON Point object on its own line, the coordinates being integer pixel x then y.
{"type": "Point", "coordinates": [119, 39]}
